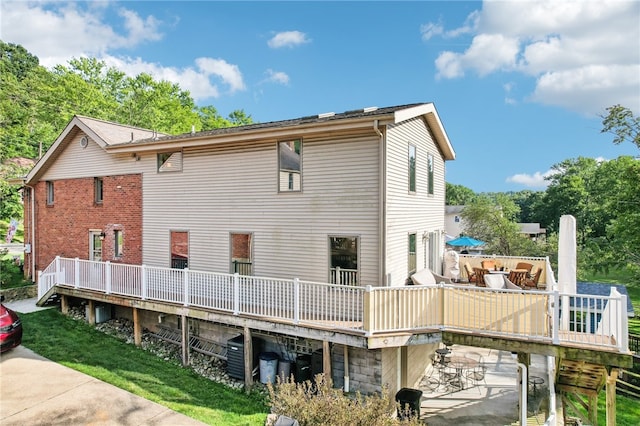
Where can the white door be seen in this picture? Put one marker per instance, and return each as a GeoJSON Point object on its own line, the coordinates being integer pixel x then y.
{"type": "Point", "coordinates": [95, 245]}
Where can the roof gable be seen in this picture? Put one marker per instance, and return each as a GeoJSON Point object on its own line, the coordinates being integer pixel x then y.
{"type": "Point", "coordinates": [103, 133]}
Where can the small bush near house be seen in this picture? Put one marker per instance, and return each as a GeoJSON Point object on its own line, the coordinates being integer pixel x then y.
{"type": "Point", "coordinates": [318, 403]}
{"type": "Point", "coordinates": [11, 274]}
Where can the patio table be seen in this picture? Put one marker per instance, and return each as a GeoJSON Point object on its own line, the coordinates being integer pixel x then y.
{"type": "Point", "coordinates": [460, 364]}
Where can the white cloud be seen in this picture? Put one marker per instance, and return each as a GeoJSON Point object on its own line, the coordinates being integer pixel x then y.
{"type": "Point", "coordinates": [82, 29]}
{"type": "Point", "coordinates": [288, 39]}
{"type": "Point", "coordinates": [85, 32]}
{"type": "Point", "coordinates": [431, 30]}
{"type": "Point", "coordinates": [277, 77]}
{"type": "Point", "coordinates": [536, 180]}
{"type": "Point", "coordinates": [229, 73]}
{"type": "Point", "coordinates": [582, 55]}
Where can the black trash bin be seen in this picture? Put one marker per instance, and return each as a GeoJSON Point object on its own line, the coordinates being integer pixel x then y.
{"type": "Point", "coordinates": [409, 400]}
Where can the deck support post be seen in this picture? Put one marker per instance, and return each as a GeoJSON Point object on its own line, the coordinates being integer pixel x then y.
{"type": "Point", "coordinates": [346, 368]}
{"type": "Point", "coordinates": [91, 307]}
{"type": "Point", "coordinates": [403, 365]}
{"type": "Point", "coordinates": [185, 339]}
{"type": "Point", "coordinates": [248, 359]}
{"type": "Point", "coordinates": [612, 377]}
{"type": "Point", "coordinates": [593, 409]}
{"type": "Point", "coordinates": [137, 327]}
{"type": "Point", "coordinates": [326, 359]}
{"type": "Point", "coordinates": [64, 304]}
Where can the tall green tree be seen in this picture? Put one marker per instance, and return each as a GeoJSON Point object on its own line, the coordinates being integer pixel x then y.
{"type": "Point", "coordinates": [459, 195]}
{"type": "Point", "coordinates": [493, 220]}
{"type": "Point", "coordinates": [37, 103]}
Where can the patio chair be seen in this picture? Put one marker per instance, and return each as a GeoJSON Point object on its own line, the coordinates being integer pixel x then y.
{"type": "Point", "coordinates": [428, 277]}
{"type": "Point", "coordinates": [524, 265]}
{"type": "Point", "coordinates": [533, 282]}
{"type": "Point", "coordinates": [518, 277]}
{"type": "Point", "coordinates": [471, 276]}
{"type": "Point", "coordinates": [488, 264]}
{"type": "Point", "coordinates": [477, 373]}
{"type": "Point", "coordinates": [480, 273]}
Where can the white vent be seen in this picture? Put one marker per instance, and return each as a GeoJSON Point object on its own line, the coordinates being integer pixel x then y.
{"type": "Point", "coordinates": [369, 109]}
{"type": "Point", "coordinates": [326, 114]}
{"type": "Point", "coordinates": [84, 141]}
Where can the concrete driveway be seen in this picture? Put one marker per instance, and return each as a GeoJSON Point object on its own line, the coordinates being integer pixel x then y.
{"type": "Point", "coordinates": [37, 391]}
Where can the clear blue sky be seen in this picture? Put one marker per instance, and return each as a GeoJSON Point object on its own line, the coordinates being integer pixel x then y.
{"type": "Point", "coordinates": [519, 85]}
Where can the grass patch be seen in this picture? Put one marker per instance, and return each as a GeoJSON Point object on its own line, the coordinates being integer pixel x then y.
{"type": "Point", "coordinates": [78, 345]}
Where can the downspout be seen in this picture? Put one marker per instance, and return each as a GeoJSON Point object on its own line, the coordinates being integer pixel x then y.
{"type": "Point", "coordinates": [551, 369]}
{"type": "Point", "coordinates": [382, 222]}
{"type": "Point", "coordinates": [523, 392]}
{"type": "Point", "coordinates": [32, 232]}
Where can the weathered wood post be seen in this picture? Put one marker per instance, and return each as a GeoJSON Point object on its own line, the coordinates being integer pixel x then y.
{"type": "Point", "coordinates": [248, 360]}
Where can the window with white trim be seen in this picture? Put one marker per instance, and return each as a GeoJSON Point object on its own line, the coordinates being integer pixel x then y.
{"type": "Point", "coordinates": [290, 165]}
{"type": "Point", "coordinates": [430, 182]}
{"type": "Point", "coordinates": [412, 168]}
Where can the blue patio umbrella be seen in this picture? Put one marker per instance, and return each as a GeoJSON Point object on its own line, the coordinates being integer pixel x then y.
{"type": "Point", "coordinates": [465, 242]}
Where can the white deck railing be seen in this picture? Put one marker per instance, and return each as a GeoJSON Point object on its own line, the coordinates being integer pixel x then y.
{"type": "Point", "coordinates": [596, 321]}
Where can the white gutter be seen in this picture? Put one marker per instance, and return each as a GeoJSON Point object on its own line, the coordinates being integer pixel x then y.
{"type": "Point", "coordinates": [382, 222]}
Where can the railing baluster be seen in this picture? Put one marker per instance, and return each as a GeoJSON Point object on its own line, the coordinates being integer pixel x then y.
{"type": "Point", "coordinates": [107, 277]}
{"type": "Point", "coordinates": [236, 294]}
{"type": "Point", "coordinates": [143, 270]}
{"type": "Point", "coordinates": [186, 286]}
{"type": "Point", "coordinates": [76, 274]}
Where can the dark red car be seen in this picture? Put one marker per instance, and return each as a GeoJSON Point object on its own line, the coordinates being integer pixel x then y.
{"type": "Point", "coordinates": [10, 329]}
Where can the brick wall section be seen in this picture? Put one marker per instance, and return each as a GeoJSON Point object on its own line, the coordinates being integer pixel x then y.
{"type": "Point", "coordinates": [62, 229]}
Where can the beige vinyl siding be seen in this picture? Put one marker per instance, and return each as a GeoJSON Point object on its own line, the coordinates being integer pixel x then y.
{"type": "Point", "coordinates": [407, 213]}
{"type": "Point", "coordinates": [78, 162]}
{"type": "Point", "coordinates": [232, 189]}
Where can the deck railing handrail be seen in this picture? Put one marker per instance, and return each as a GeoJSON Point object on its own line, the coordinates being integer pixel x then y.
{"type": "Point", "coordinates": [532, 314]}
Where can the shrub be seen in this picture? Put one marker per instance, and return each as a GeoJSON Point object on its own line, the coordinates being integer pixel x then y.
{"type": "Point", "coordinates": [318, 403]}
{"type": "Point", "coordinates": [11, 274]}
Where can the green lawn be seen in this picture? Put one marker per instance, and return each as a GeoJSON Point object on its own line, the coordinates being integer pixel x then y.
{"type": "Point", "coordinates": [77, 345]}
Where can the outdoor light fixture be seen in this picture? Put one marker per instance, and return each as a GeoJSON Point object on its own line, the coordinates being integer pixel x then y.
{"type": "Point", "coordinates": [102, 235]}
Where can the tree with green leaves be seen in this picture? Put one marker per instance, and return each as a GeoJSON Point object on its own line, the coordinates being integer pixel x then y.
{"type": "Point", "coordinates": [621, 122]}
{"type": "Point", "coordinates": [37, 103]}
{"type": "Point", "coordinates": [493, 220]}
{"type": "Point", "coordinates": [458, 195]}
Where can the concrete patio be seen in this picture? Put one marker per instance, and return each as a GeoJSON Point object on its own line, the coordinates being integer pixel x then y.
{"type": "Point", "coordinates": [494, 403]}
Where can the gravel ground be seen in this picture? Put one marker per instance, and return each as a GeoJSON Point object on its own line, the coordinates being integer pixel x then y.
{"type": "Point", "coordinates": [210, 367]}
